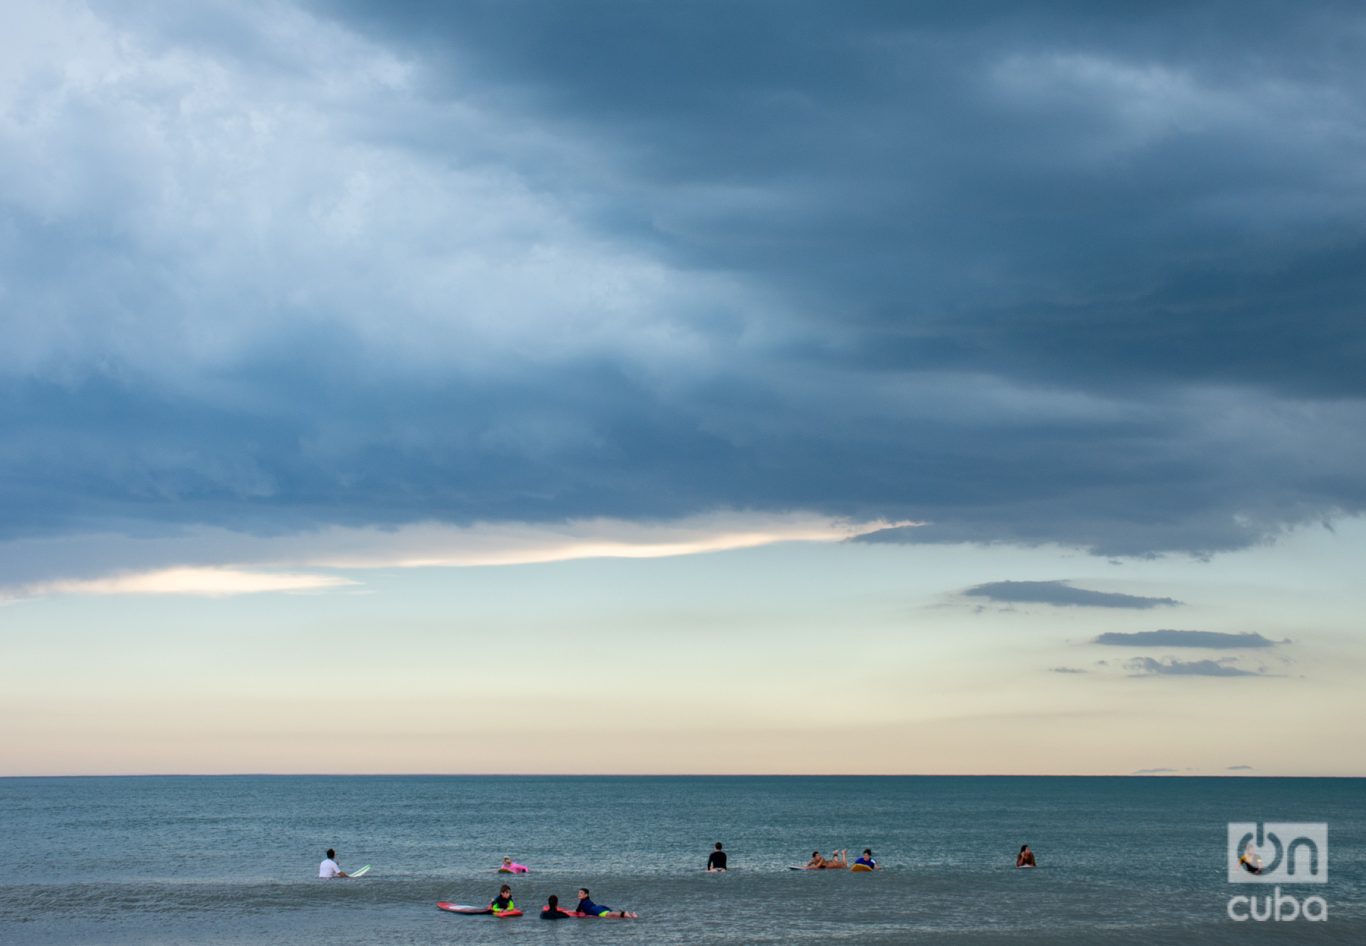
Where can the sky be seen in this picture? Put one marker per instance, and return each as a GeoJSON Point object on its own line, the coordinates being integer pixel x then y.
{"type": "Point", "coordinates": [709, 387]}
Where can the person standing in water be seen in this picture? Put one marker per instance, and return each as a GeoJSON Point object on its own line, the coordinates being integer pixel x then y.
{"type": "Point", "coordinates": [329, 868]}
{"type": "Point", "coordinates": [716, 862]}
{"type": "Point", "coordinates": [1025, 858]}
{"type": "Point", "coordinates": [552, 911]}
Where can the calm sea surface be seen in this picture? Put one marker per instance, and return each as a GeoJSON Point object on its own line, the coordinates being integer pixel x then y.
{"type": "Point", "coordinates": [234, 859]}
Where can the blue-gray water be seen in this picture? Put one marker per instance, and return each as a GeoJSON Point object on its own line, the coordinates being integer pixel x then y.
{"type": "Point", "coordinates": [233, 859]}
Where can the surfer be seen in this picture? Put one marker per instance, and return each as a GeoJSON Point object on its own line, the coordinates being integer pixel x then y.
{"type": "Point", "coordinates": [867, 859]}
{"type": "Point", "coordinates": [838, 860]}
{"type": "Point", "coordinates": [329, 868]}
{"type": "Point", "coordinates": [503, 902]}
{"type": "Point", "coordinates": [552, 911]}
{"type": "Point", "coordinates": [512, 867]}
{"type": "Point", "coordinates": [716, 861]}
{"type": "Point", "coordinates": [596, 909]}
{"type": "Point", "coordinates": [1025, 858]}
{"type": "Point", "coordinates": [1249, 860]}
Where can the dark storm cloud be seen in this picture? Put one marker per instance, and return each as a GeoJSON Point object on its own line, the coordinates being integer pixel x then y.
{"type": "Point", "coordinates": [1208, 639]}
{"type": "Point", "coordinates": [1062, 594]}
{"type": "Point", "coordinates": [1059, 274]}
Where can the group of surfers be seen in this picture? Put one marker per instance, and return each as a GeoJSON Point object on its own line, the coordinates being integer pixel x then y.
{"type": "Point", "coordinates": [839, 860]}
{"type": "Point", "coordinates": [716, 863]}
{"type": "Point", "coordinates": [503, 903]}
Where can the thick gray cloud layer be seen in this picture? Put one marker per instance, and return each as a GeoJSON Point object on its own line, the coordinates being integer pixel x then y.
{"type": "Point", "coordinates": [1074, 274]}
{"type": "Point", "coordinates": [1208, 639]}
{"type": "Point", "coordinates": [1062, 594]}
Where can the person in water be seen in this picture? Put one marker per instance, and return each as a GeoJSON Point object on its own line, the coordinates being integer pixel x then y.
{"type": "Point", "coordinates": [552, 910]}
{"type": "Point", "coordinates": [596, 909]}
{"type": "Point", "coordinates": [1249, 860]}
{"type": "Point", "coordinates": [717, 859]}
{"type": "Point", "coordinates": [329, 868]}
{"type": "Point", "coordinates": [503, 902]}
{"type": "Point", "coordinates": [1025, 858]}
{"type": "Point", "coordinates": [867, 859]}
{"type": "Point", "coordinates": [838, 860]}
{"type": "Point", "coordinates": [512, 867]}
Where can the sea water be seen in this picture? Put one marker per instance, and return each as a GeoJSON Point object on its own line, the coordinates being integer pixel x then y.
{"type": "Point", "coordinates": [234, 859]}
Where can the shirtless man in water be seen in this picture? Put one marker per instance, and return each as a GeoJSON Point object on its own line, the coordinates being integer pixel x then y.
{"type": "Point", "coordinates": [838, 860]}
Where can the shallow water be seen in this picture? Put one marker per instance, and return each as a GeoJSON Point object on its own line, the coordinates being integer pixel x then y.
{"type": "Point", "coordinates": [234, 859]}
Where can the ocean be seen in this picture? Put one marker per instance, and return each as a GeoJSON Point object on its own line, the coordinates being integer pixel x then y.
{"type": "Point", "coordinates": [234, 859]}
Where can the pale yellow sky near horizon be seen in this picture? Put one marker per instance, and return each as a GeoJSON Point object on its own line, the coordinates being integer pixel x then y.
{"type": "Point", "coordinates": [787, 658]}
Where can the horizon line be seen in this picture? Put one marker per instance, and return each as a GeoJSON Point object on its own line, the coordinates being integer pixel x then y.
{"type": "Point", "coordinates": [534, 775]}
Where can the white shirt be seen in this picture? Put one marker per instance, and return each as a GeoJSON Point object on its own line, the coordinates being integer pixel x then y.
{"type": "Point", "coordinates": [328, 868]}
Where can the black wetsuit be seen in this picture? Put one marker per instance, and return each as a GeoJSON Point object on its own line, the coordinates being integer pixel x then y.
{"type": "Point", "coordinates": [717, 861]}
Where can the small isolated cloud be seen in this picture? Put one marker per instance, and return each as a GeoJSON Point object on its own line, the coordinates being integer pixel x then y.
{"type": "Point", "coordinates": [1066, 670]}
{"type": "Point", "coordinates": [1170, 638]}
{"type": "Point", "coordinates": [1154, 771]}
{"type": "Point", "coordinates": [1239, 768]}
{"type": "Point", "coordinates": [1063, 595]}
{"type": "Point", "coordinates": [1148, 667]}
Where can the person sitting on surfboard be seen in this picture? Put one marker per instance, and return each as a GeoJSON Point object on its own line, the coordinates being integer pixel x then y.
{"type": "Point", "coordinates": [503, 902]}
{"type": "Point", "coordinates": [512, 867]}
{"type": "Point", "coordinates": [1250, 861]}
{"type": "Point", "coordinates": [1025, 858]}
{"type": "Point", "coordinates": [867, 859]}
{"type": "Point", "coordinates": [552, 911]}
{"type": "Point", "coordinates": [717, 860]}
{"type": "Point", "coordinates": [596, 909]}
{"type": "Point", "coordinates": [329, 868]}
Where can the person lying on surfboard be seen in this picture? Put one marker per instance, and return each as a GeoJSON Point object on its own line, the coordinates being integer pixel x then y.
{"type": "Point", "coordinates": [512, 867]}
{"type": "Point", "coordinates": [867, 859]}
{"type": "Point", "coordinates": [596, 909]}
{"type": "Point", "coordinates": [503, 902]}
{"type": "Point", "coordinates": [838, 860]}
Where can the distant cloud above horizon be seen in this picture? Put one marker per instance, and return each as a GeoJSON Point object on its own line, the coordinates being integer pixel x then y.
{"type": "Point", "coordinates": [1149, 667]}
{"type": "Point", "coordinates": [1062, 594]}
{"type": "Point", "coordinates": [1170, 638]}
{"type": "Point", "coordinates": [1051, 278]}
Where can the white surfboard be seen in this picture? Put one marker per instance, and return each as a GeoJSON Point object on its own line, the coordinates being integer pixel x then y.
{"type": "Point", "coordinates": [360, 873]}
